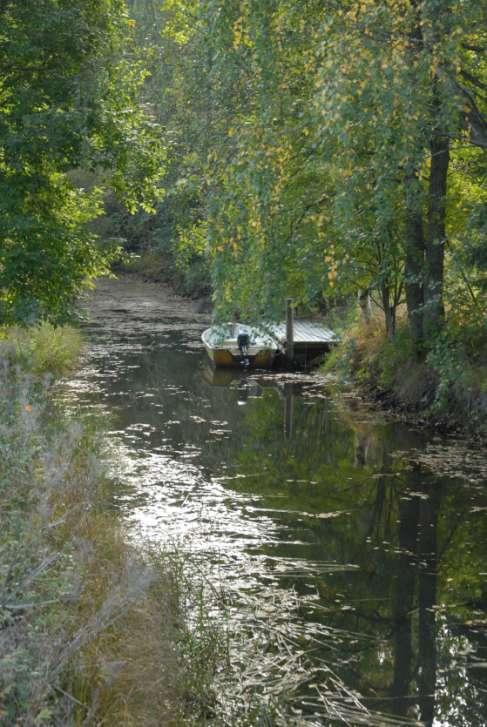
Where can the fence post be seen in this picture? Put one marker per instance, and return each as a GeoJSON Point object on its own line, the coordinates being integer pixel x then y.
{"type": "Point", "coordinates": [290, 330]}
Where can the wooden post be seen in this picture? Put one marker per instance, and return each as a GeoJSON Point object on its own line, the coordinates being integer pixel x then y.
{"type": "Point", "coordinates": [290, 330]}
{"type": "Point", "coordinates": [288, 410]}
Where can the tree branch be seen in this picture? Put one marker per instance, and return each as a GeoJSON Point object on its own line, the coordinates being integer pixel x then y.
{"type": "Point", "coordinates": [473, 80]}
{"type": "Point", "coordinates": [475, 119]}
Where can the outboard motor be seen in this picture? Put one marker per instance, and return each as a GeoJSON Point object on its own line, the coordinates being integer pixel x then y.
{"type": "Point", "coordinates": [243, 343]}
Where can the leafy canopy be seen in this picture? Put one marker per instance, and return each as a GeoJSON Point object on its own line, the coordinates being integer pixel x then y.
{"type": "Point", "coordinates": [70, 87]}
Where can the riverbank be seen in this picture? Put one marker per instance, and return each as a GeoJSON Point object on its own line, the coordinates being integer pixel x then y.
{"type": "Point", "coordinates": [290, 595]}
{"type": "Point", "coordinates": [94, 628]}
{"type": "Point", "coordinates": [446, 390]}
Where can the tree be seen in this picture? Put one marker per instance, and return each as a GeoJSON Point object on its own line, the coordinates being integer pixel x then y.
{"type": "Point", "coordinates": [312, 149]}
{"type": "Point", "coordinates": [403, 89]}
{"type": "Point", "coordinates": [70, 100]}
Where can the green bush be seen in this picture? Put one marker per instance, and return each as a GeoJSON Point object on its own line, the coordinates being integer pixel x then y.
{"type": "Point", "coordinates": [393, 355]}
{"type": "Point", "coordinates": [448, 385]}
{"type": "Point", "coordinates": [41, 349]}
{"type": "Point", "coordinates": [461, 378]}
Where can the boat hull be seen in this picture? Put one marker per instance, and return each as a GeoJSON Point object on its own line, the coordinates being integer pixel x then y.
{"type": "Point", "coordinates": [223, 346]}
{"type": "Point", "coordinates": [262, 359]}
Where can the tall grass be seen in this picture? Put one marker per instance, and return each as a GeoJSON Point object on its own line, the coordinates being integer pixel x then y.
{"type": "Point", "coordinates": [41, 349]}
{"type": "Point", "coordinates": [92, 629]}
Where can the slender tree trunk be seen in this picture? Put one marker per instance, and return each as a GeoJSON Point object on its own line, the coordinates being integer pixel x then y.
{"type": "Point", "coordinates": [364, 303]}
{"type": "Point", "coordinates": [389, 311]}
{"type": "Point", "coordinates": [414, 262]}
{"type": "Point", "coordinates": [434, 311]}
{"type": "Point", "coordinates": [435, 244]}
{"type": "Point", "coordinates": [414, 245]}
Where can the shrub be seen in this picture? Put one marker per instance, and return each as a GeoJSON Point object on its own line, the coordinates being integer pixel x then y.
{"type": "Point", "coordinates": [450, 385]}
{"type": "Point", "coordinates": [41, 349]}
{"type": "Point", "coordinates": [462, 379]}
{"type": "Point", "coordinates": [393, 355]}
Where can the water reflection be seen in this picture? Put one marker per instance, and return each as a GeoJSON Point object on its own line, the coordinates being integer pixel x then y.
{"type": "Point", "coordinates": [405, 529]}
{"type": "Point", "coordinates": [309, 510]}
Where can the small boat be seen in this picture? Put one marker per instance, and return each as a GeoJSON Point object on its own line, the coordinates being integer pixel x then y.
{"type": "Point", "coordinates": [237, 344]}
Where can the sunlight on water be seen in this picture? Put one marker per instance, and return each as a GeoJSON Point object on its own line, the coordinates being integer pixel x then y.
{"type": "Point", "coordinates": [348, 553]}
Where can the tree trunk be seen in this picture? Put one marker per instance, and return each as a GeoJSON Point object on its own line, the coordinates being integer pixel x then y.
{"type": "Point", "coordinates": [364, 303]}
{"type": "Point", "coordinates": [414, 246]}
{"type": "Point", "coordinates": [414, 263]}
{"type": "Point", "coordinates": [389, 311]}
{"type": "Point", "coordinates": [434, 311]}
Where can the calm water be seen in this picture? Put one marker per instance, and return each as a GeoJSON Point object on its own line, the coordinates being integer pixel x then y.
{"type": "Point", "coordinates": [350, 553]}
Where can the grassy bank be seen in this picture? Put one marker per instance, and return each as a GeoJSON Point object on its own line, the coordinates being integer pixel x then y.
{"type": "Point", "coordinates": [93, 630]}
{"type": "Point", "coordinates": [446, 388]}
{"type": "Point", "coordinates": [42, 350]}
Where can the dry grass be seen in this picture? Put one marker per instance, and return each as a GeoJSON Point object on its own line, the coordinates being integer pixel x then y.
{"type": "Point", "coordinates": [92, 628]}
{"type": "Point", "coordinates": [129, 670]}
{"type": "Point", "coordinates": [447, 388]}
{"type": "Point", "coordinates": [387, 367]}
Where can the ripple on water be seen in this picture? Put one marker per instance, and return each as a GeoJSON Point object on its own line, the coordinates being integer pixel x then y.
{"type": "Point", "coordinates": [347, 554]}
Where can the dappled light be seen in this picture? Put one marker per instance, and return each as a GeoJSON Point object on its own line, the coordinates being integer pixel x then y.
{"type": "Point", "coordinates": [243, 363]}
{"type": "Point", "coordinates": [344, 554]}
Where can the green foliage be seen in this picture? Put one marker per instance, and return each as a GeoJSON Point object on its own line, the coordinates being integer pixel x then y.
{"type": "Point", "coordinates": [462, 378]}
{"type": "Point", "coordinates": [70, 89]}
{"type": "Point", "coordinates": [299, 138]}
{"type": "Point", "coordinates": [42, 349]}
{"type": "Point", "coordinates": [393, 356]}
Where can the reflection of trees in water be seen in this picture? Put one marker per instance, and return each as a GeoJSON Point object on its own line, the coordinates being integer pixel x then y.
{"type": "Point", "coordinates": [311, 460]}
{"type": "Point", "coordinates": [427, 599]}
{"type": "Point", "coordinates": [416, 567]}
{"type": "Point", "coordinates": [402, 527]}
{"type": "Point", "coordinates": [402, 604]}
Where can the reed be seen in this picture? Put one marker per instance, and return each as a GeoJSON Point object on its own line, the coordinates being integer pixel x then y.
{"type": "Point", "coordinates": [94, 630]}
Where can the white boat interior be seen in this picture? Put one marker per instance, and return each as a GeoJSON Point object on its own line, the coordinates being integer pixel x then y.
{"type": "Point", "coordinates": [225, 336]}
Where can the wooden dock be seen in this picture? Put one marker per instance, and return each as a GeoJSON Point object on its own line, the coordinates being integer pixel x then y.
{"type": "Point", "coordinates": [306, 333]}
{"type": "Point", "coordinates": [311, 339]}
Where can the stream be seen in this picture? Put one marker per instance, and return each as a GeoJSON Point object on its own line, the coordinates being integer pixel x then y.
{"type": "Point", "coordinates": [347, 551]}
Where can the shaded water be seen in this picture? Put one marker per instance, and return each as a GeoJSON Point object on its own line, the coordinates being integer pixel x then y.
{"type": "Point", "coordinates": [350, 552]}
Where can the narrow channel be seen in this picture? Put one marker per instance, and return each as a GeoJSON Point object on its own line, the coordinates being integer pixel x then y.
{"type": "Point", "coordinates": [356, 545]}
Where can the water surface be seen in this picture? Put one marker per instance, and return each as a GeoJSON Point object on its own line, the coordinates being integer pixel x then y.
{"type": "Point", "coordinates": [351, 551]}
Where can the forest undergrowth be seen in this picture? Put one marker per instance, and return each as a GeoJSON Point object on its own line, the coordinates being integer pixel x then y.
{"type": "Point", "coordinates": [446, 387]}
